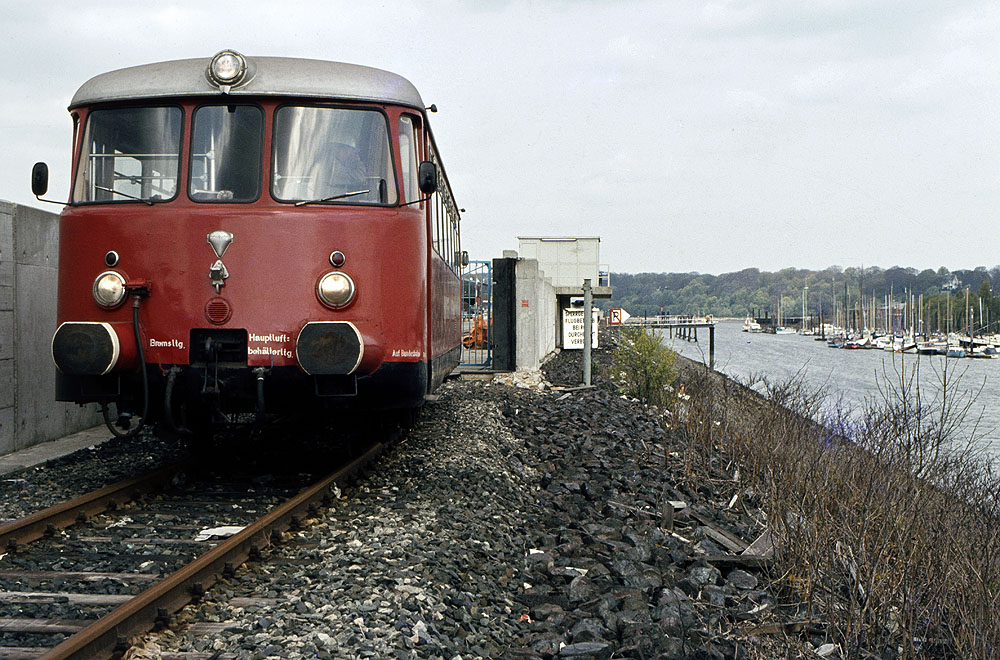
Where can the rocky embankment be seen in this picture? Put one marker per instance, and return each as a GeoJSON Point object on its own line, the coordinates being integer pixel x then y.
{"type": "Point", "coordinates": [635, 557]}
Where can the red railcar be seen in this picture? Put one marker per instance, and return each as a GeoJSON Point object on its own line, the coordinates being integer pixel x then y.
{"type": "Point", "coordinates": [254, 234]}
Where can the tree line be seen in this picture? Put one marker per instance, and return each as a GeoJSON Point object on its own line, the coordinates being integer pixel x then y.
{"type": "Point", "coordinates": [938, 297]}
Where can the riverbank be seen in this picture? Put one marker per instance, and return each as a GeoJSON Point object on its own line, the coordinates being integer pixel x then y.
{"type": "Point", "coordinates": [851, 378]}
{"type": "Point", "coordinates": [884, 522]}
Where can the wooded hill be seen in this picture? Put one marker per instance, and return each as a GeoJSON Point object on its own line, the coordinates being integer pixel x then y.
{"type": "Point", "coordinates": [736, 294]}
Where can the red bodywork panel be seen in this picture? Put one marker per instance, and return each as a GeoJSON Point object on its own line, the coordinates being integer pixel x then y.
{"type": "Point", "coordinates": [274, 262]}
{"type": "Point", "coordinates": [445, 308]}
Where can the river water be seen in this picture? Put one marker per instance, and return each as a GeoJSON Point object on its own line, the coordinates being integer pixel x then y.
{"type": "Point", "coordinates": [852, 376]}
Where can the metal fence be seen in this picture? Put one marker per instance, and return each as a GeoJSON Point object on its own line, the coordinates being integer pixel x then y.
{"type": "Point", "coordinates": [477, 314]}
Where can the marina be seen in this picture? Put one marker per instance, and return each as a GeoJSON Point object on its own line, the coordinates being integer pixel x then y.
{"type": "Point", "coordinates": [953, 345]}
{"type": "Point", "coordinates": [910, 325]}
{"type": "Point", "coordinates": [850, 378]}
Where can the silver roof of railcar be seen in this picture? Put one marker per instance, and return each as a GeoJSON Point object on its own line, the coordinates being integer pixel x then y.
{"type": "Point", "coordinates": [272, 76]}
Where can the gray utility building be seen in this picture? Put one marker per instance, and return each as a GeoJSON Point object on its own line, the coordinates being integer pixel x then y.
{"type": "Point", "coordinates": [567, 261]}
{"type": "Point", "coordinates": [544, 275]}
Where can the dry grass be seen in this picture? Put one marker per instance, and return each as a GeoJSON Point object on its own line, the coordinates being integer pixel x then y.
{"type": "Point", "coordinates": [887, 524]}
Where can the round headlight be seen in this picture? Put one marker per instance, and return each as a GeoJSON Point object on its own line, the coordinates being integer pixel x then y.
{"type": "Point", "coordinates": [227, 67]}
{"type": "Point", "coordinates": [336, 289]}
{"type": "Point", "coordinates": [109, 289]}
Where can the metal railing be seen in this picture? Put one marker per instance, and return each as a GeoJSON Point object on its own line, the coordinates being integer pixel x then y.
{"type": "Point", "coordinates": [670, 320]}
{"type": "Point", "coordinates": [477, 314]}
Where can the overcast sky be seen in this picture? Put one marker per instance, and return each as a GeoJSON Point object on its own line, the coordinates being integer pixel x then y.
{"type": "Point", "coordinates": [694, 136]}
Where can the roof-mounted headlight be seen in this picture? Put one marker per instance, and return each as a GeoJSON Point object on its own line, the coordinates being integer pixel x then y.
{"type": "Point", "coordinates": [228, 69]}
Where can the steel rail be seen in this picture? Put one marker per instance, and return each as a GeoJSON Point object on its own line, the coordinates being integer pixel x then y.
{"type": "Point", "coordinates": [38, 524]}
{"type": "Point", "coordinates": [142, 613]}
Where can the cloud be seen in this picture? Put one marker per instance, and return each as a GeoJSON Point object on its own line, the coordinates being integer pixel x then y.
{"type": "Point", "coordinates": [777, 133]}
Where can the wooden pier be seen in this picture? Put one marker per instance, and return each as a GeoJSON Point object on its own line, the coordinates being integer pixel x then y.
{"type": "Point", "coordinates": [681, 326]}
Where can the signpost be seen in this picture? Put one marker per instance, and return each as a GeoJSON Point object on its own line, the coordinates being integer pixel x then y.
{"type": "Point", "coordinates": [618, 316]}
{"type": "Point", "coordinates": [589, 326]}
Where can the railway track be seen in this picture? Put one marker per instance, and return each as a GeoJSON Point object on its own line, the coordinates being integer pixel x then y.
{"type": "Point", "coordinates": [79, 579]}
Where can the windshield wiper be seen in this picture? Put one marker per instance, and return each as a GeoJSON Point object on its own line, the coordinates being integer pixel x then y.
{"type": "Point", "coordinates": [330, 199]}
{"type": "Point", "coordinates": [118, 192]}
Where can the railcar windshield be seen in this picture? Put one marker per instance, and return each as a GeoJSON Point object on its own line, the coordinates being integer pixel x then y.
{"type": "Point", "coordinates": [129, 154]}
{"type": "Point", "coordinates": [336, 155]}
{"type": "Point", "coordinates": [226, 147]}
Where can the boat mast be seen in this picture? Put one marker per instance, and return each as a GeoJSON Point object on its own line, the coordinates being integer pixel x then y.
{"type": "Point", "coordinates": [892, 312]}
{"type": "Point", "coordinates": [804, 289]}
{"type": "Point", "coordinates": [948, 310]}
{"type": "Point", "coordinates": [968, 325]}
{"type": "Point", "coordinates": [861, 298]}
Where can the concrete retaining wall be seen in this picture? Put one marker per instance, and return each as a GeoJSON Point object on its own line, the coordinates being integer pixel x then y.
{"type": "Point", "coordinates": [536, 313]}
{"type": "Point", "coordinates": [29, 249]}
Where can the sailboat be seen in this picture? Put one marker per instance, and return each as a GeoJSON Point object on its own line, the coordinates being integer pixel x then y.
{"type": "Point", "coordinates": [781, 329]}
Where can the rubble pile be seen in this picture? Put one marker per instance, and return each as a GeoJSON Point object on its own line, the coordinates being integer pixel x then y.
{"type": "Point", "coordinates": [630, 560]}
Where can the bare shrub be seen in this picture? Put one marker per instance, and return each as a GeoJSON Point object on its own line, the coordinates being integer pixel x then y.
{"type": "Point", "coordinates": [886, 519]}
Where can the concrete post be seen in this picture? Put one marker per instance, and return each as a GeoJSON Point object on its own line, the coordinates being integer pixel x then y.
{"type": "Point", "coordinates": [588, 302]}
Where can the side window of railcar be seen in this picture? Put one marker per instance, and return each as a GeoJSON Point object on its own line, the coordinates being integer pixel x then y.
{"type": "Point", "coordinates": [129, 154]}
{"type": "Point", "coordinates": [408, 155]}
{"type": "Point", "coordinates": [438, 214]}
{"type": "Point", "coordinates": [226, 148]}
{"type": "Point", "coordinates": [444, 222]}
{"type": "Point", "coordinates": [336, 155]}
{"type": "Point", "coordinates": [456, 245]}
{"type": "Point", "coordinates": [437, 210]}
{"type": "Point", "coordinates": [453, 240]}
{"type": "Point", "coordinates": [447, 235]}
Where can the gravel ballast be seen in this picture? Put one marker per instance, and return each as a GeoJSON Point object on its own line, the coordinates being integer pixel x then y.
{"type": "Point", "coordinates": [31, 489]}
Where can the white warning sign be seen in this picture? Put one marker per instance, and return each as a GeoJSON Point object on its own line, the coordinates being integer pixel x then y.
{"type": "Point", "coordinates": [573, 327]}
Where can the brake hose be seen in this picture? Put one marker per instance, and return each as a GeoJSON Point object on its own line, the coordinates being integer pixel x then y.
{"type": "Point", "coordinates": [136, 300]}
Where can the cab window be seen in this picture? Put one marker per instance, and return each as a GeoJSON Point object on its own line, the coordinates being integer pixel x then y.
{"type": "Point", "coordinates": [226, 151]}
{"type": "Point", "coordinates": [408, 156]}
{"type": "Point", "coordinates": [129, 154]}
{"type": "Point", "coordinates": [332, 155]}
